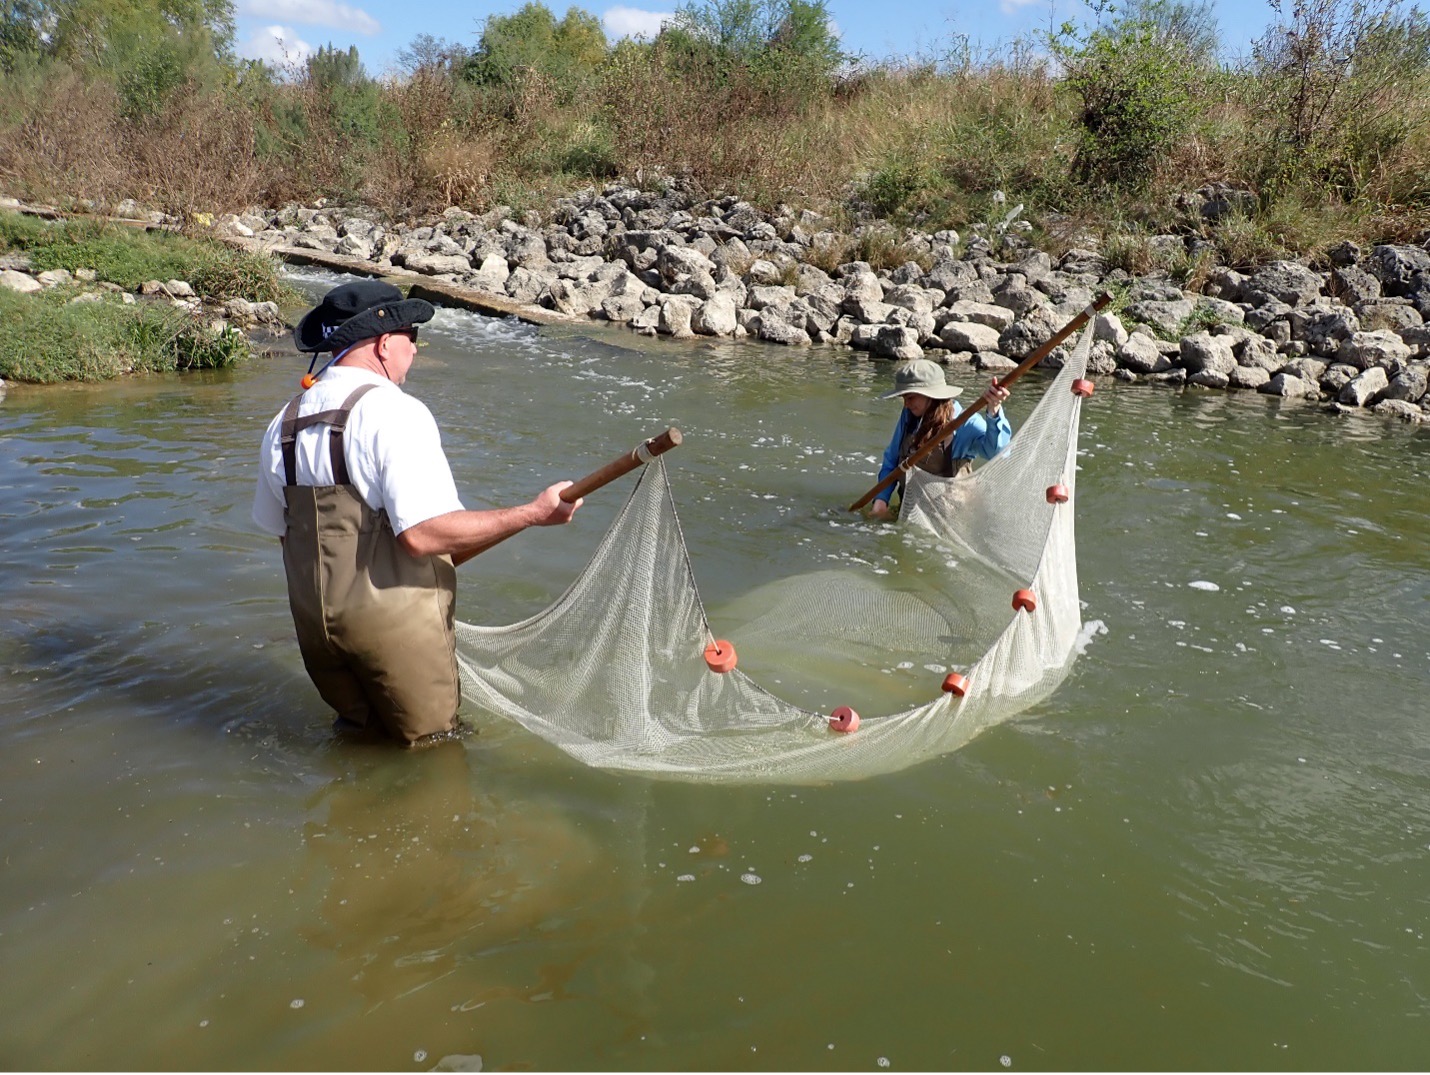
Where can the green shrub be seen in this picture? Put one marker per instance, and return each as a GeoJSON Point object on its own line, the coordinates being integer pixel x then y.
{"type": "Point", "coordinates": [1133, 80]}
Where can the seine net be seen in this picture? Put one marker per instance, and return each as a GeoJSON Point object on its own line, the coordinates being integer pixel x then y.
{"type": "Point", "coordinates": [614, 673]}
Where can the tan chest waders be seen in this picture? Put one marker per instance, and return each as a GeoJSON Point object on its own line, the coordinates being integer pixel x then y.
{"type": "Point", "coordinates": [375, 624]}
{"type": "Point", "coordinates": [940, 461]}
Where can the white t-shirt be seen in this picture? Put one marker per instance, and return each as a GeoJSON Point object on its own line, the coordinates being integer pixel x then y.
{"type": "Point", "coordinates": [391, 445]}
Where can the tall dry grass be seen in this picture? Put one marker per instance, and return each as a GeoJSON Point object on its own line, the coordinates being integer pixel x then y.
{"type": "Point", "coordinates": [909, 145]}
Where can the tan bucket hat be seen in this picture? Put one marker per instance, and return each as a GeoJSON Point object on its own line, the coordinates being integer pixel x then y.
{"type": "Point", "coordinates": [921, 377]}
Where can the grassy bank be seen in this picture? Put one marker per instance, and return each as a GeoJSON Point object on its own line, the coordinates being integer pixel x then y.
{"type": "Point", "coordinates": [50, 337]}
{"type": "Point", "coordinates": [129, 256]}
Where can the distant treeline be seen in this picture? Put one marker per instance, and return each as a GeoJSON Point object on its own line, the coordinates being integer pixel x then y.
{"type": "Point", "coordinates": [1096, 129]}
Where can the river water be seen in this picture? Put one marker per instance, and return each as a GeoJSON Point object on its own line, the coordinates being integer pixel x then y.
{"type": "Point", "coordinates": [1209, 849]}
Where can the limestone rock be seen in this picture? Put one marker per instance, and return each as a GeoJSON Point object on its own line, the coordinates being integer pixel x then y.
{"type": "Point", "coordinates": [715, 316]}
{"type": "Point", "coordinates": [1381, 348]}
{"type": "Point", "coordinates": [1365, 388]}
{"type": "Point", "coordinates": [18, 281]}
{"type": "Point", "coordinates": [968, 336]}
{"type": "Point", "coordinates": [1289, 386]}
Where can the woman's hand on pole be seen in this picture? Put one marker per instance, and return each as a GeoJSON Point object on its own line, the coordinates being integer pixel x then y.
{"type": "Point", "coordinates": [994, 397]}
{"type": "Point", "coordinates": [879, 509]}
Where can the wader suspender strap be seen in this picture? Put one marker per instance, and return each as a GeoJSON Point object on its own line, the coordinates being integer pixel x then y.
{"type": "Point", "coordinates": [338, 420]}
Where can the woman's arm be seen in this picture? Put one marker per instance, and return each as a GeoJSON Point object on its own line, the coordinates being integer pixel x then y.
{"type": "Point", "coordinates": [889, 464]}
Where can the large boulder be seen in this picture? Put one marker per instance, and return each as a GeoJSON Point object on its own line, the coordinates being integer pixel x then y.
{"type": "Point", "coordinates": [1396, 267]}
{"type": "Point", "coordinates": [1289, 386]}
{"type": "Point", "coordinates": [1381, 348]}
{"type": "Point", "coordinates": [980, 313]}
{"type": "Point", "coordinates": [1396, 315]}
{"type": "Point", "coordinates": [675, 316]}
{"type": "Point", "coordinates": [1023, 337]}
{"type": "Point", "coordinates": [1353, 285]}
{"type": "Point", "coordinates": [770, 326]}
{"type": "Point", "coordinates": [1410, 384]}
{"type": "Point", "coordinates": [1257, 352]}
{"type": "Point", "coordinates": [18, 281]}
{"type": "Point", "coordinates": [575, 298]}
{"type": "Point", "coordinates": [948, 274]}
{"type": "Point", "coordinates": [1248, 377]}
{"type": "Point", "coordinates": [1323, 328]}
{"type": "Point", "coordinates": [1108, 328]}
{"type": "Point", "coordinates": [910, 297]}
{"type": "Point", "coordinates": [968, 336]}
{"type": "Point", "coordinates": [1364, 389]}
{"type": "Point", "coordinates": [527, 285]}
{"type": "Point", "coordinates": [1398, 408]}
{"type": "Point", "coordinates": [1287, 281]}
{"type": "Point", "coordinates": [715, 316]}
{"type": "Point", "coordinates": [899, 342]}
{"type": "Point", "coordinates": [1164, 316]}
{"type": "Point", "coordinates": [1140, 354]}
{"type": "Point", "coordinates": [354, 246]}
{"type": "Point", "coordinates": [762, 295]}
{"type": "Point", "coordinates": [1203, 353]}
{"type": "Point", "coordinates": [492, 275]}
{"type": "Point", "coordinates": [436, 264]}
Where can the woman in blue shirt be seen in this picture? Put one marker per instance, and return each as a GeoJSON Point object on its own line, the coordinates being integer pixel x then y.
{"type": "Point", "coordinates": [928, 404]}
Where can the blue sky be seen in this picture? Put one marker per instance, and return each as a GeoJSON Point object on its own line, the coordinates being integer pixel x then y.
{"type": "Point", "coordinates": [273, 29]}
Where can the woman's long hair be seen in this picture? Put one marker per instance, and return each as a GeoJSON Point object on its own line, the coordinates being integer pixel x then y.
{"type": "Point", "coordinates": [940, 413]}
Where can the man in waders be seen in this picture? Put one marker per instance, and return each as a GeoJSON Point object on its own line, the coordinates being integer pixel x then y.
{"type": "Point", "coordinates": [354, 482]}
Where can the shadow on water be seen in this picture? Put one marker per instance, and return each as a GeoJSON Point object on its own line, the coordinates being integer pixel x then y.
{"type": "Point", "coordinates": [163, 677]}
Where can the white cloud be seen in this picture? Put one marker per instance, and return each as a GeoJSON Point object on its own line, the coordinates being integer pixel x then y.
{"type": "Point", "coordinates": [620, 21]}
{"type": "Point", "coordinates": [328, 13]}
{"type": "Point", "coordinates": [278, 45]}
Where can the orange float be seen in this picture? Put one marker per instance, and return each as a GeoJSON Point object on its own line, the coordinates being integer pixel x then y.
{"type": "Point", "coordinates": [1024, 601]}
{"type": "Point", "coordinates": [955, 684]}
{"type": "Point", "coordinates": [1082, 387]}
{"type": "Point", "coordinates": [1057, 494]}
{"type": "Point", "coordinates": [720, 656]}
{"type": "Point", "coordinates": [844, 719]}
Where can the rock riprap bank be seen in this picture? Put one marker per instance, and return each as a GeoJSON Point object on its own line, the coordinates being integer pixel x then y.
{"type": "Point", "coordinates": [673, 264]}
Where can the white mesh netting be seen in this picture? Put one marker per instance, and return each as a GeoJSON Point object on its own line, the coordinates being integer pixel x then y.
{"type": "Point", "coordinates": [614, 672]}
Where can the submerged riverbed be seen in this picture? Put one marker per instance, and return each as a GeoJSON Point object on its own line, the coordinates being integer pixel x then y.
{"type": "Point", "coordinates": [1206, 850]}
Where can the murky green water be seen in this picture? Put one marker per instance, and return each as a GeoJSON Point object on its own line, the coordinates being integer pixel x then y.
{"type": "Point", "coordinates": [1209, 849]}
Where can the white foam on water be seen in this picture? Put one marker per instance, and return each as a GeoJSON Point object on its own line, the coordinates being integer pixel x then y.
{"type": "Point", "coordinates": [459, 1062]}
{"type": "Point", "coordinates": [751, 878]}
{"type": "Point", "coordinates": [1203, 584]}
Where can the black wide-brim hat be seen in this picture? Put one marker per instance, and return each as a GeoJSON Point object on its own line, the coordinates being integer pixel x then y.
{"type": "Point", "coordinates": [358, 311]}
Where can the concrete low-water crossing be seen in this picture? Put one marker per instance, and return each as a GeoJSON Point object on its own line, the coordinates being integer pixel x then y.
{"type": "Point", "coordinates": [1206, 850]}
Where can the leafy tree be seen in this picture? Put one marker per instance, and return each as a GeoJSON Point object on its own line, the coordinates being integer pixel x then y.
{"type": "Point", "coordinates": [349, 99]}
{"type": "Point", "coordinates": [1133, 74]}
{"type": "Point", "coordinates": [146, 48]}
{"type": "Point", "coordinates": [763, 34]}
{"type": "Point", "coordinates": [1190, 26]}
{"type": "Point", "coordinates": [426, 52]}
{"type": "Point", "coordinates": [331, 66]}
{"type": "Point", "coordinates": [24, 25]}
{"type": "Point", "coordinates": [568, 52]}
{"type": "Point", "coordinates": [1331, 75]}
{"type": "Point", "coordinates": [86, 30]}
